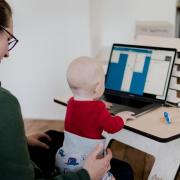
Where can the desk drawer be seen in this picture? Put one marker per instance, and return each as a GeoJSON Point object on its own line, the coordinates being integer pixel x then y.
{"type": "Point", "coordinates": [173, 96]}
{"type": "Point", "coordinates": [175, 83]}
{"type": "Point", "coordinates": [176, 70]}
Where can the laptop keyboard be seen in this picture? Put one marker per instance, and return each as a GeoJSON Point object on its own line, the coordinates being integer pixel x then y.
{"type": "Point", "coordinates": [120, 101]}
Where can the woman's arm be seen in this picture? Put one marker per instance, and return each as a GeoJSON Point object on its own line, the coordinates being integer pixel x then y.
{"type": "Point", "coordinates": [14, 157]}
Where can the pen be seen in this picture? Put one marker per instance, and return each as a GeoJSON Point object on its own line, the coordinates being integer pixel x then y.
{"type": "Point", "coordinates": [167, 118]}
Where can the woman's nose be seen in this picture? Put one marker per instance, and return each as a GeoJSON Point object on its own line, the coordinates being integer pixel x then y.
{"type": "Point", "coordinates": [7, 54]}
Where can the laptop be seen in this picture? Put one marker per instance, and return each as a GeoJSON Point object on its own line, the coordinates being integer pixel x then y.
{"type": "Point", "coordinates": [138, 77]}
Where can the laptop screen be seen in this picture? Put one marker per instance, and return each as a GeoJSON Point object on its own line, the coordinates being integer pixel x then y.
{"type": "Point", "coordinates": [139, 71]}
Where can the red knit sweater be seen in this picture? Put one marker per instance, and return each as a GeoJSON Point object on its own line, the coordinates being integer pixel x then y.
{"type": "Point", "coordinates": [89, 119]}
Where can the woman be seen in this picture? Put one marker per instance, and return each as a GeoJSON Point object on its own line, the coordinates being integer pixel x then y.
{"type": "Point", "coordinates": [15, 161]}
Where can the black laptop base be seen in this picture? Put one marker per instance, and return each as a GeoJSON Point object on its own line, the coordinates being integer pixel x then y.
{"type": "Point", "coordinates": [136, 106]}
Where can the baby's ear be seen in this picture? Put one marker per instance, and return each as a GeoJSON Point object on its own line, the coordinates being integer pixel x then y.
{"type": "Point", "coordinates": [97, 90]}
{"type": "Point", "coordinates": [98, 86]}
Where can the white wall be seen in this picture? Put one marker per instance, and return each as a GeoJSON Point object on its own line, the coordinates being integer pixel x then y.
{"type": "Point", "coordinates": [52, 33]}
{"type": "Point", "coordinates": [115, 20]}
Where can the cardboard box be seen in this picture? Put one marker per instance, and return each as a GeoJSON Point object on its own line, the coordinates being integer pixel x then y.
{"type": "Point", "coordinates": [154, 28]}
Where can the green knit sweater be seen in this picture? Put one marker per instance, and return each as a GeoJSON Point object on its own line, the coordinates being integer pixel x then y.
{"type": "Point", "coordinates": [15, 163]}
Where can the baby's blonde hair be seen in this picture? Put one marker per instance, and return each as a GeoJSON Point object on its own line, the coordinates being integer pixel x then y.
{"type": "Point", "coordinates": [84, 73]}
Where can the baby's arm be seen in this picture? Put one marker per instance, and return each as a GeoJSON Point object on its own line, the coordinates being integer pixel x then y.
{"type": "Point", "coordinates": [125, 115]}
{"type": "Point", "coordinates": [109, 123]}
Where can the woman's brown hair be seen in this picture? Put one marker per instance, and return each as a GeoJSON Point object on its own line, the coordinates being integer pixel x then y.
{"type": "Point", "coordinates": [5, 13]}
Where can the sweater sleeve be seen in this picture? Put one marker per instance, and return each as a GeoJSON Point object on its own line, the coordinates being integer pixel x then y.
{"type": "Point", "coordinates": [110, 123]}
{"type": "Point", "coordinates": [14, 157]}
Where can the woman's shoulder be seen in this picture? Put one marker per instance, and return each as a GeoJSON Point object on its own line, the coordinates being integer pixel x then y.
{"type": "Point", "coordinates": [10, 111]}
{"type": "Point", "coordinates": [5, 94]}
{"type": "Point", "coordinates": [3, 90]}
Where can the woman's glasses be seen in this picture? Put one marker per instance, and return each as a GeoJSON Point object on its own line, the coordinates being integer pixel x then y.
{"type": "Point", "coordinates": [13, 40]}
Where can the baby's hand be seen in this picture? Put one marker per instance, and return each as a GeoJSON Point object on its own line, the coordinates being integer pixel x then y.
{"type": "Point", "coordinates": [107, 104]}
{"type": "Point", "coordinates": [125, 115]}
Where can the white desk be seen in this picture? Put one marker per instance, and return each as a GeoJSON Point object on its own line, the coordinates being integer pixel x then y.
{"type": "Point", "coordinates": [149, 134]}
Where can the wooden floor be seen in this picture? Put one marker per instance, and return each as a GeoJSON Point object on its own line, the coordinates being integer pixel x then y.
{"type": "Point", "coordinates": [34, 126]}
{"type": "Point", "coordinates": [141, 162]}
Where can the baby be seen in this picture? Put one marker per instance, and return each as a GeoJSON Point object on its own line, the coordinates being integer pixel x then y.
{"type": "Point", "coordinates": [86, 116]}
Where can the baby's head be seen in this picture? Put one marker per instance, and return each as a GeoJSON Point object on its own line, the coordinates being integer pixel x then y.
{"type": "Point", "coordinates": [85, 77]}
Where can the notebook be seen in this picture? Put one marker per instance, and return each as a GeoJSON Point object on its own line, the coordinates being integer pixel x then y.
{"type": "Point", "coordinates": [138, 77]}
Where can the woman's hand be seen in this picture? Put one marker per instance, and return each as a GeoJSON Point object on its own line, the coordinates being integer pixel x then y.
{"type": "Point", "coordinates": [96, 167]}
{"type": "Point", "coordinates": [34, 140]}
